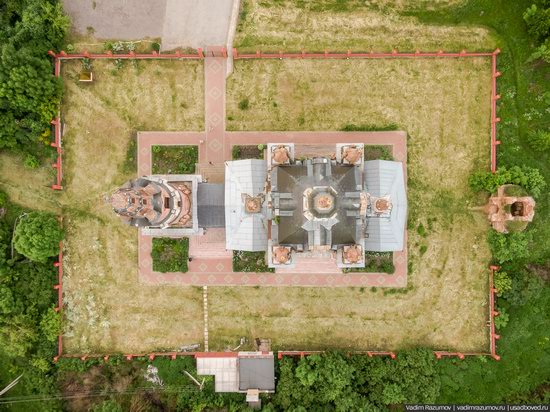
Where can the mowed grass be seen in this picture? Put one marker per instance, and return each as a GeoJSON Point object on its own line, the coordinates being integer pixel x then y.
{"type": "Point", "coordinates": [106, 308]}
{"type": "Point", "coordinates": [273, 25]}
{"type": "Point", "coordinates": [444, 105]}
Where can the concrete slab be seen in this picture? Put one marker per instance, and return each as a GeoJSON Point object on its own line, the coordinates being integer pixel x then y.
{"type": "Point", "coordinates": [196, 23]}
{"type": "Point", "coordinates": [180, 23]}
{"type": "Point", "coordinates": [117, 19]}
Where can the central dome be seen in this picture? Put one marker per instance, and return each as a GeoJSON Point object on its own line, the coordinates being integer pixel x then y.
{"type": "Point", "coordinates": [323, 202]}
{"type": "Point", "coordinates": [320, 202]}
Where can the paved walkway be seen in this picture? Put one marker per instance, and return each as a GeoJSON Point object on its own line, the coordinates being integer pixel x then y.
{"type": "Point", "coordinates": [215, 144]}
{"type": "Point", "coordinates": [214, 95]}
{"type": "Point", "coordinates": [180, 23]}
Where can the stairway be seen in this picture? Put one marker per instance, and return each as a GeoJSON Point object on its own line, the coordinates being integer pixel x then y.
{"type": "Point", "coordinates": [211, 245]}
{"type": "Point", "coordinates": [213, 173]}
{"type": "Point", "coordinates": [312, 263]}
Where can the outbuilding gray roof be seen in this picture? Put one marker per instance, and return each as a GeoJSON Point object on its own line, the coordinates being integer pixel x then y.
{"type": "Point", "coordinates": [245, 231]}
{"type": "Point", "coordinates": [383, 178]}
{"type": "Point", "coordinates": [257, 373]}
{"type": "Point", "coordinates": [210, 205]}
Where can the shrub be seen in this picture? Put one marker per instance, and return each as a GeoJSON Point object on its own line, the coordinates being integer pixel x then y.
{"type": "Point", "coordinates": [108, 405]}
{"type": "Point", "coordinates": [50, 324]}
{"type": "Point", "coordinates": [244, 104]}
{"type": "Point", "coordinates": [542, 52]}
{"type": "Point", "coordinates": [235, 152]}
{"type": "Point", "coordinates": [369, 127]}
{"type": "Point", "coordinates": [422, 230]}
{"type": "Point", "coordinates": [31, 162]}
{"type": "Point", "coordinates": [86, 64]}
{"type": "Point", "coordinates": [529, 178]}
{"type": "Point", "coordinates": [3, 199]}
{"type": "Point", "coordinates": [539, 140]}
{"type": "Point", "coordinates": [170, 255]}
{"type": "Point", "coordinates": [502, 282]}
{"type": "Point", "coordinates": [525, 288]}
{"type": "Point", "coordinates": [502, 319]}
{"type": "Point", "coordinates": [37, 236]}
{"type": "Point", "coordinates": [508, 247]}
{"type": "Point", "coordinates": [117, 47]}
{"type": "Point", "coordinates": [155, 46]}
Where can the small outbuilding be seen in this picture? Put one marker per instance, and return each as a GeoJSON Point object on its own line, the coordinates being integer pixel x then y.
{"type": "Point", "coordinates": [244, 372]}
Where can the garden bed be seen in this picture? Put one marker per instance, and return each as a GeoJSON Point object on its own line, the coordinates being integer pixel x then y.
{"type": "Point", "coordinates": [376, 262]}
{"type": "Point", "coordinates": [250, 262]}
{"type": "Point", "coordinates": [247, 152]}
{"type": "Point", "coordinates": [174, 159]}
{"type": "Point", "coordinates": [170, 255]}
{"type": "Point", "coordinates": [378, 152]}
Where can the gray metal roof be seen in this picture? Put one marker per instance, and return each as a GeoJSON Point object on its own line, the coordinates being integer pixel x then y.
{"type": "Point", "coordinates": [210, 205]}
{"type": "Point", "coordinates": [257, 373]}
{"type": "Point", "coordinates": [245, 231]}
{"type": "Point", "coordinates": [342, 225]}
{"type": "Point", "coordinates": [383, 178]}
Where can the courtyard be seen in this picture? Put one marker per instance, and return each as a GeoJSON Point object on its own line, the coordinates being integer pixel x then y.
{"type": "Point", "coordinates": [442, 104]}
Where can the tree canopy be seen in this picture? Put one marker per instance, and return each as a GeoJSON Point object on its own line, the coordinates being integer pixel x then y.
{"type": "Point", "coordinates": [37, 236]}
{"type": "Point", "coordinates": [29, 93]}
{"type": "Point", "coordinates": [356, 382]}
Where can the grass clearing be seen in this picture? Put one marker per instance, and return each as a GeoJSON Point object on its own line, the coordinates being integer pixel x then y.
{"type": "Point", "coordinates": [100, 251]}
{"type": "Point", "coordinates": [273, 25]}
{"type": "Point", "coordinates": [444, 105]}
{"type": "Point", "coordinates": [107, 309]}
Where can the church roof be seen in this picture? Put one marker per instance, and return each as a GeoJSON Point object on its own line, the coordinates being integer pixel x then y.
{"type": "Point", "coordinates": [385, 178]}
{"type": "Point", "coordinates": [243, 230]}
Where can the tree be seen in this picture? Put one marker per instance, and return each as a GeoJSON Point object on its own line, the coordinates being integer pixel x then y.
{"type": "Point", "coordinates": [29, 94]}
{"type": "Point", "coordinates": [18, 335]}
{"type": "Point", "coordinates": [37, 236]}
{"type": "Point", "coordinates": [329, 375]}
{"type": "Point", "coordinates": [529, 178]}
{"type": "Point", "coordinates": [508, 247]}
{"type": "Point", "coordinates": [539, 140]}
{"type": "Point", "coordinates": [538, 21]}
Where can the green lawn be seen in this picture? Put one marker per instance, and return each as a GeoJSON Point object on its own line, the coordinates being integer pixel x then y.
{"type": "Point", "coordinates": [170, 255]}
{"type": "Point", "coordinates": [174, 159]}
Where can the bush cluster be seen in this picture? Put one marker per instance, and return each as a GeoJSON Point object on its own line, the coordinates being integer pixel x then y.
{"type": "Point", "coordinates": [529, 178]}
